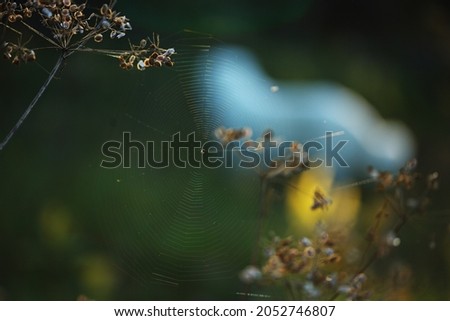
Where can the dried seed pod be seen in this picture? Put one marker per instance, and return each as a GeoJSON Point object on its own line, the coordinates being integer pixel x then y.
{"type": "Point", "coordinates": [12, 18]}
{"type": "Point", "coordinates": [78, 14]}
{"type": "Point", "coordinates": [98, 37]}
{"type": "Point", "coordinates": [309, 252]}
{"type": "Point", "coordinates": [31, 56]}
{"type": "Point", "coordinates": [433, 181]}
{"type": "Point", "coordinates": [16, 60]}
{"type": "Point", "coordinates": [65, 24]}
{"type": "Point", "coordinates": [333, 258]}
{"type": "Point", "coordinates": [8, 48]}
{"type": "Point", "coordinates": [7, 55]}
{"type": "Point", "coordinates": [27, 13]}
{"type": "Point", "coordinates": [123, 65]}
{"type": "Point", "coordinates": [67, 3]}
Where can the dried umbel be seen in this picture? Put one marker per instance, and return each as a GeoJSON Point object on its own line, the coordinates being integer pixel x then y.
{"type": "Point", "coordinates": [296, 257]}
{"type": "Point", "coordinates": [310, 265]}
{"type": "Point", "coordinates": [69, 26]}
{"type": "Point", "coordinates": [332, 264]}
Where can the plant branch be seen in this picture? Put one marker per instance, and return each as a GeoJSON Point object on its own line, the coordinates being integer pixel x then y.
{"type": "Point", "coordinates": [36, 98]}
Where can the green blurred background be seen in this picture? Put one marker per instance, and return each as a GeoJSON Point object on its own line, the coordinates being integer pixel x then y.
{"type": "Point", "coordinates": [70, 228]}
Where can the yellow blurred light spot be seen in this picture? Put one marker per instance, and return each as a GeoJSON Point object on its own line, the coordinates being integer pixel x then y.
{"type": "Point", "coordinates": [97, 277]}
{"type": "Point", "coordinates": [340, 210]}
{"type": "Point", "coordinates": [56, 224]}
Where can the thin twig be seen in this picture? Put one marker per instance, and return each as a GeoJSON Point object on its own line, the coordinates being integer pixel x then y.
{"type": "Point", "coordinates": [262, 216]}
{"type": "Point", "coordinates": [36, 98]}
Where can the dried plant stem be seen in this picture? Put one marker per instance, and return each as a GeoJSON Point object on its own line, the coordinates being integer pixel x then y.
{"type": "Point", "coordinates": [36, 98]}
{"type": "Point", "coordinates": [263, 204]}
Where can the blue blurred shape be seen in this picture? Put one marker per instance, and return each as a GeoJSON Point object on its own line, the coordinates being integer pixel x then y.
{"type": "Point", "coordinates": [243, 95]}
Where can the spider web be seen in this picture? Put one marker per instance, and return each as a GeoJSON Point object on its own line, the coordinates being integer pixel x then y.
{"type": "Point", "coordinates": [180, 226]}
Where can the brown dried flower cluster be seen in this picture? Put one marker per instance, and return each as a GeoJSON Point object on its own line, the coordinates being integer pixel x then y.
{"type": "Point", "coordinates": [68, 26]}
{"type": "Point", "coordinates": [334, 266]}
{"type": "Point", "coordinates": [146, 55]}
{"type": "Point", "coordinates": [292, 256]}
{"type": "Point", "coordinates": [311, 268]}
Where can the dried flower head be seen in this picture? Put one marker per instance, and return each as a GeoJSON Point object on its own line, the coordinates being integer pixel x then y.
{"type": "Point", "coordinates": [68, 26]}
{"type": "Point", "coordinates": [226, 135]}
